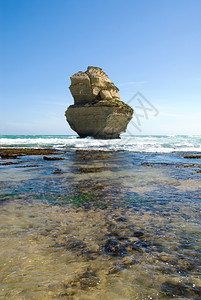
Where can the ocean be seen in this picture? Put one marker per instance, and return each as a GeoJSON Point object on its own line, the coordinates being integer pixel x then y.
{"type": "Point", "coordinates": [157, 143]}
{"type": "Point", "coordinates": [100, 219]}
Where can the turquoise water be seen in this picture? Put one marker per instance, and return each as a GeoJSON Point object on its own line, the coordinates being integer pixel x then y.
{"type": "Point", "coordinates": [101, 224]}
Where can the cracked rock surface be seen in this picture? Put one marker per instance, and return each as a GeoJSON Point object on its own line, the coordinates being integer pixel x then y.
{"type": "Point", "coordinates": [98, 110]}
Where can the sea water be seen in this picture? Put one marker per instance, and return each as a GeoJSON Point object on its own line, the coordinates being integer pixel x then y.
{"type": "Point", "coordinates": [115, 219]}
{"type": "Point", "coordinates": [139, 143]}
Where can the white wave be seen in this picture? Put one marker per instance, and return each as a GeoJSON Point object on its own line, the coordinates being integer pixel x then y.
{"type": "Point", "coordinates": [164, 144]}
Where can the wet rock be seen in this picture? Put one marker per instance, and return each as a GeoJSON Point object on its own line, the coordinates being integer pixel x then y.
{"type": "Point", "coordinates": [153, 164]}
{"type": "Point", "coordinates": [189, 165]}
{"type": "Point", "coordinates": [71, 245]}
{"type": "Point", "coordinates": [171, 289]}
{"type": "Point", "coordinates": [82, 281]}
{"type": "Point", "coordinates": [90, 170]}
{"type": "Point", "coordinates": [88, 279]}
{"type": "Point", "coordinates": [91, 253]}
{"type": "Point", "coordinates": [93, 153]}
{"type": "Point", "coordinates": [69, 292]}
{"type": "Point", "coordinates": [133, 239]}
{"type": "Point", "coordinates": [122, 219]}
{"type": "Point", "coordinates": [28, 166]}
{"type": "Point", "coordinates": [98, 186]}
{"type": "Point", "coordinates": [192, 156]}
{"type": "Point", "coordinates": [113, 247]}
{"type": "Point", "coordinates": [58, 171]}
{"type": "Point", "coordinates": [121, 247]}
{"type": "Point", "coordinates": [9, 156]}
{"type": "Point", "coordinates": [53, 158]}
{"type": "Point", "coordinates": [9, 163]}
{"type": "Point", "coordinates": [181, 289]}
{"type": "Point", "coordinates": [113, 270]}
{"type": "Point", "coordinates": [123, 230]}
{"type": "Point", "coordinates": [188, 264]}
{"type": "Point", "coordinates": [138, 233]}
{"type": "Point", "coordinates": [27, 151]}
{"type": "Point", "coordinates": [127, 260]}
{"type": "Point", "coordinates": [95, 247]}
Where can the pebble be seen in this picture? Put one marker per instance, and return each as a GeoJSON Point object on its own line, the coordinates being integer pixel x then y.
{"type": "Point", "coordinates": [50, 293]}
{"type": "Point", "coordinates": [94, 247]}
{"type": "Point", "coordinates": [127, 260]}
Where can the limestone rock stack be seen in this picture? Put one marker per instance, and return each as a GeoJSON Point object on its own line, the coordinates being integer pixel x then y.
{"type": "Point", "coordinates": [98, 110]}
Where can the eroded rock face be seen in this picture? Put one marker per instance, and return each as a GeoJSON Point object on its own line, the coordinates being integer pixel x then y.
{"type": "Point", "coordinates": [98, 110]}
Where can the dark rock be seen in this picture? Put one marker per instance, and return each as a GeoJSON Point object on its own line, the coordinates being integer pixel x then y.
{"type": "Point", "coordinates": [8, 156]}
{"type": "Point", "coordinates": [28, 166]}
{"type": "Point", "coordinates": [192, 156]}
{"type": "Point", "coordinates": [181, 289]}
{"type": "Point", "coordinates": [122, 219]}
{"type": "Point", "coordinates": [121, 247]}
{"type": "Point", "coordinates": [71, 245]}
{"type": "Point", "coordinates": [9, 152]}
{"type": "Point", "coordinates": [114, 248]}
{"type": "Point", "coordinates": [84, 281]}
{"type": "Point", "coordinates": [90, 170]}
{"type": "Point", "coordinates": [88, 279]}
{"type": "Point", "coordinates": [58, 171]}
{"type": "Point", "coordinates": [53, 158]}
{"type": "Point", "coordinates": [138, 233]}
{"type": "Point", "coordinates": [9, 163]}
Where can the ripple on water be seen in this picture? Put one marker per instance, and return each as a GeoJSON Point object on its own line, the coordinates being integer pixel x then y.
{"type": "Point", "coordinates": [99, 230]}
{"type": "Point", "coordinates": [50, 251]}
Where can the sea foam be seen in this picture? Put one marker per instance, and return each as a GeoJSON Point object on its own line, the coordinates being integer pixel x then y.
{"type": "Point", "coordinates": [160, 144]}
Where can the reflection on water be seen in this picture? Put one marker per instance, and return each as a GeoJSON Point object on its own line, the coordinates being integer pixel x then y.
{"type": "Point", "coordinates": [104, 226]}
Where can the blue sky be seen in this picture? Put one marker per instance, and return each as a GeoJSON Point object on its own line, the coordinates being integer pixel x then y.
{"type": "Point", "coordinates": [149, 46]}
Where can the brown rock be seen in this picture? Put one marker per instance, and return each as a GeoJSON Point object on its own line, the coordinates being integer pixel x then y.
{"type": "Point", "coordinates": [9, 152]}
{"type": "Point", "coordinates": [98, 110]}
{"type": "Point", "coordinates": [8, 156]}
{"type": "Point", "coordinates": [53, 158]}
{"type": "Point", "coordinates": [58, 171]}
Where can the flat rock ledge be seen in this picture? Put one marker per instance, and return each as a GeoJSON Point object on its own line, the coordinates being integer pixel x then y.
{"type": "Point", "coordinates": [98, 110]}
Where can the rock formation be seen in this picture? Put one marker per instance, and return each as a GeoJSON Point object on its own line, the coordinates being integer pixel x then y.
{"type": "Point", "coordinates": [98, 110]}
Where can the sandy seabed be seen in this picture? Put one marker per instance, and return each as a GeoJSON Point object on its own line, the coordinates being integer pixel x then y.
{"type": "Point", "coordinates": [99, 225]}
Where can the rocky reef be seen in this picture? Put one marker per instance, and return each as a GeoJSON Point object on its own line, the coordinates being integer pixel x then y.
{"type": "Point", "coordinates": [98, 110]}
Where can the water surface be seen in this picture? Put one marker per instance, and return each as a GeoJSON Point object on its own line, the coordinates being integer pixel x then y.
{"type": "Point", "coordinates": [101, 225]}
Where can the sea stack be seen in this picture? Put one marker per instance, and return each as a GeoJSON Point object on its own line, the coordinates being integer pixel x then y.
{"type": "Point", "coordinates": [98, 110]}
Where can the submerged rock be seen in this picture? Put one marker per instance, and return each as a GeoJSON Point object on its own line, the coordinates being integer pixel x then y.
{"type": "Point", "coordinates": [53, 158]}
{"type": "Point", "coordinates": [98, 110]}
{"type": "Point", "coordinates": [15, 152]}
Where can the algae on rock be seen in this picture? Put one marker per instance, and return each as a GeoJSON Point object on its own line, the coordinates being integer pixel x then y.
{"type": "Point", "coordinates": [98, 110]}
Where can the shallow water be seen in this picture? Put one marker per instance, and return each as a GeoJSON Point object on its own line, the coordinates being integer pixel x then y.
{"type": "Point", "coordinates": [106, 225]}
